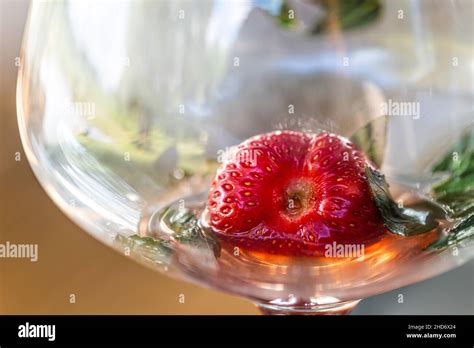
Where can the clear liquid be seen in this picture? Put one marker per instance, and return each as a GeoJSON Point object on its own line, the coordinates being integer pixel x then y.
{"type": "Point", "coordinates": [277, 279]}
{"type": "Point", "coordinates": [131, 202]}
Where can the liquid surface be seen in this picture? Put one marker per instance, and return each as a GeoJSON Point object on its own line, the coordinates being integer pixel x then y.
{"type": "Point", "coordinates": [350, 273]}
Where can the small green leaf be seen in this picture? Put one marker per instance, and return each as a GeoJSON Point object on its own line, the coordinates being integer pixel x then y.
{"type": "Point", "coordinates": [186, 227]}
{"type": "Point", "coordinates": [456, 191]}
{"type": "Point", "coordinates": [401, 221]}
{"type": "Point", "coordinates": [458, 167]}
{"type": "Point", "coordinates": [136, 241]}
{"type": "Point", "coordinates": [186, 230]}
{"type": "Point", "coordinates": [156, 251]}
{"type": "Point", "coordinates": [458, 205]}
{"type": "Point", "coordinates": [461, 232]}
{"type": "Point", "coordinates": [371, 139]}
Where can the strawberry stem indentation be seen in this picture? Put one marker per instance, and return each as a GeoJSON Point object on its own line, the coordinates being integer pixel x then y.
{"type": "Point", "coordinates": [297, 198]}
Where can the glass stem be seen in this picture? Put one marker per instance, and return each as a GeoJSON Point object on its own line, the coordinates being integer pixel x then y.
{"type": "Point", "coordinates": [340, 308]}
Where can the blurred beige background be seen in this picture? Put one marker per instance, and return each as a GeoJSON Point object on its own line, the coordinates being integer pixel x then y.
{"type": "Point", "coordinates": [70, 261]}
{"type": "Point", "coordinates": [104, 282]}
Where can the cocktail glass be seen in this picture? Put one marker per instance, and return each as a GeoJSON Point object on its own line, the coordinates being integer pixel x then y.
{"type": "Point", "coordinates": [125, 110]}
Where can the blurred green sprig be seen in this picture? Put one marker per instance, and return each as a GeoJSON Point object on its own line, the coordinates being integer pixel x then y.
{"type": "Point", "coordinates": [456, 191]}
{"type": "Point", "coordinates": [348, 14]}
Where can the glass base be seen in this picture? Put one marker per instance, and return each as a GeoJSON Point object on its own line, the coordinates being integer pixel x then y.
{"type": "Point", "coordinates": [340, 308]}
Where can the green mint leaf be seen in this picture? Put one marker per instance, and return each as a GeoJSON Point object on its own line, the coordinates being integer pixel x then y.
{"type": "Point", "coordinates": [187, 229]}
{"type": "Point", "coordinates": [456, 191]}
{"type": "Point", "coordinates": [135, 241]}
{"type": "Point", "coordinates": [458, 205]}
{"type": "Point", "coordinates": [153, 250]}
{"type": "Point", "coordinates": [371, 139]}
{"type": "Point", "coordinates": [401, 221]}
{"type": "Point", "coordinates": [462, 231]}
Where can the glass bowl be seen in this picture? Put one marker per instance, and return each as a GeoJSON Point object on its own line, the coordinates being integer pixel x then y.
{"type": "Point", "coordinates": [126, 110]}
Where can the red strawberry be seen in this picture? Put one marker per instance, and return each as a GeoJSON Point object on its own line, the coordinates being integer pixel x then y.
{"type": "Point", "coordinates": [291, 193]}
